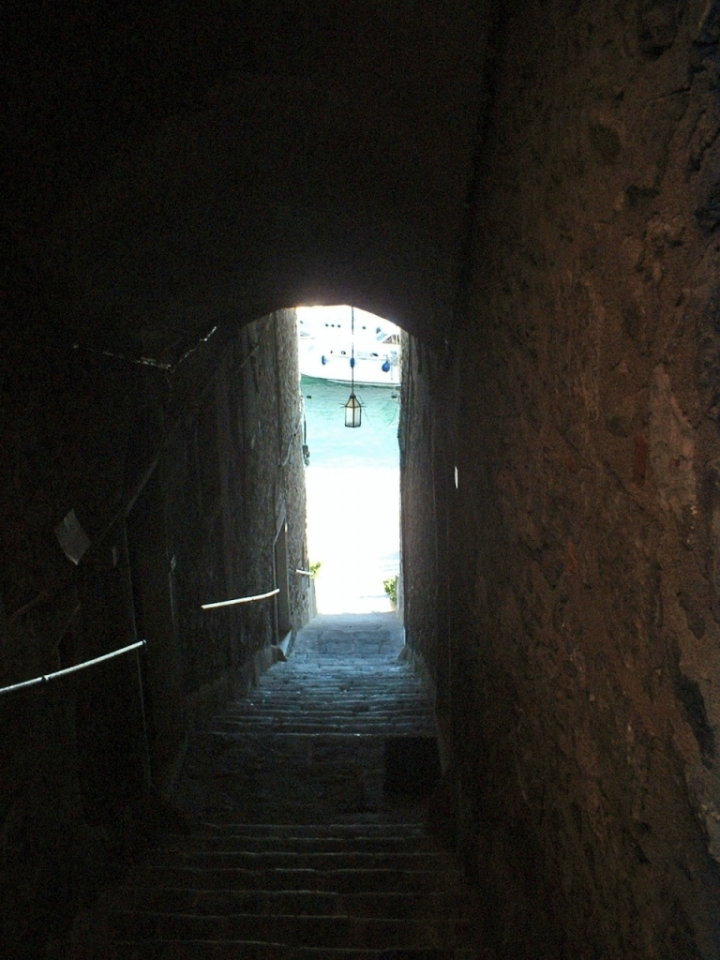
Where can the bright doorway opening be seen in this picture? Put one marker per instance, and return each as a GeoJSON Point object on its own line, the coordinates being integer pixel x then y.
{"type": "Point", "coordinates": [353, 474]}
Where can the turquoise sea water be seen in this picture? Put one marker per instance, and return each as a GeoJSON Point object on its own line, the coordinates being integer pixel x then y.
{"type": "Point", "coordinates": [352, 495]}
{"type": "Point", "coordinates": [332, 444]}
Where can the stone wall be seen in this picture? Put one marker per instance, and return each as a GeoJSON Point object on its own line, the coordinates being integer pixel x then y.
{"type": "Point", "coordinates": [421, 533]}
{"type": "Point", "coordinates": [181, 467]}
{"type": "Point", "coordinates": [580, 413]}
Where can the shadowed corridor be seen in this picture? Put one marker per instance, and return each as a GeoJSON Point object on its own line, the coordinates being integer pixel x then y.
{"type": "Point", "coordinates": [530, 190]}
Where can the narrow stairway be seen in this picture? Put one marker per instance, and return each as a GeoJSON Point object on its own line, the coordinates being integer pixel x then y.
{"type": "Point", "coordinates": [310, 794]}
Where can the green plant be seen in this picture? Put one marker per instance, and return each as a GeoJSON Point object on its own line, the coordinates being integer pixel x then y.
{"type": "Point", "coordinates": [391, 587]}
{"type": "Point", "coordinates": [315, 568]}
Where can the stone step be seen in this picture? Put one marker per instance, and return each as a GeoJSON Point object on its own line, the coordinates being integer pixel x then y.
{"type": "Point", "coordinates": [377, 726]}
{"type": "Point", "coordinates": [375, 690]}
{"type": "Point", "coordinates": [304, 708]}
{"type": "Point", "coordinates": [352, 666]}
{"type": "Point", "coordinates": [296, 860]}
{"type": "Point", "coordinates": [377, 696]}
{"type": "Point", "coordinates": [242, 950]}
{"type": "Point", "coordinates": [198, 950]}
{"type": "Point", "coordinates": [399, 700]}
{"type": "Point", "coordinates": [380, 725]}
{"type": "Point", "coordinates": [341, 881]}
{"type": "Point", "coordinates": [333, 716]}
{"type": "Point", "coordinates": [398, 829]}
{"type": "Point", "coordinates": [242, 843]}
{"type": "Point", "coordinates": [297, 678]}
{"type": "Point", "coordinates": [391, 905]}
{"type": "Point", "coordinates": [349, 670]}
{"type": "Point", "coordinates": [343, 870]}
{"type": "Point", "coordinates": [334, 720]}
{"type": "Point", "coordinates": [232, 728]}
{"type": "Point", "coordinates": [326, 692]}
{"type": "Point", "coordinates": [310, 931]}
{"type": "Point", "coordinates": [334, 726]}
{"type": "Point", "coordinates": [375, 685]}
{"type": "Point", "coordinates": [472, 953]}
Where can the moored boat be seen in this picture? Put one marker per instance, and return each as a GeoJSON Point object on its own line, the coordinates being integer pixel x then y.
{"type": "Point", "coordinates": [329, 338]}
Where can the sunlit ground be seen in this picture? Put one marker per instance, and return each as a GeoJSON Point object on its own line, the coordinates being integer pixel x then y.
{"type": "Point", "coordinates": [353, 529]}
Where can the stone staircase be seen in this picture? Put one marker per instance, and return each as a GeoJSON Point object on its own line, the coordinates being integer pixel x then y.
{"type": "Point", "coordinates": [309, 795]}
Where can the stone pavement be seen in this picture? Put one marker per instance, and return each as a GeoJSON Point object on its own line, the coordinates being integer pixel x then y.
{"type": "Point", "coordinates": [309, 797]}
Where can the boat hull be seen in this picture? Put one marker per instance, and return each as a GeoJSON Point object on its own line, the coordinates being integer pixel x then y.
{"type": "Point", "coordinates": [372, 368]}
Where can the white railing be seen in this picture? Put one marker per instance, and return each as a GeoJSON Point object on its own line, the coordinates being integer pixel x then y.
{"type": "Point", "coordinates": [47, 677]}
{"type": "Point", "coordinates": [231, 603]}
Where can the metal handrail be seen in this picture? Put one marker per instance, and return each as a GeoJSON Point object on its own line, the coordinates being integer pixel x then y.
{"type": "Point", "coordinates": [230, 603]}
{"type": "Point", "coordinates": [47, 677]}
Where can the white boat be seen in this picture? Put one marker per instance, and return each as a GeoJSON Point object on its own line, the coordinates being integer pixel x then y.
{"type": "Point", "coordinates": [328, 339]}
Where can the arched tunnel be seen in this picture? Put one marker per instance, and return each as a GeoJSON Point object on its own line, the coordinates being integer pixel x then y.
{"type": "Point", "coordinates": [529, 189]}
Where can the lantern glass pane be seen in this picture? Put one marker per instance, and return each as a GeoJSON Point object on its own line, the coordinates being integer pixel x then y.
{"type": "Point", "coordinates": [353, 412]}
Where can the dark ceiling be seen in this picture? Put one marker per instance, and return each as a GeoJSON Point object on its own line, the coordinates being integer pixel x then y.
{"type": "Point", "coordinates": [174, 166]}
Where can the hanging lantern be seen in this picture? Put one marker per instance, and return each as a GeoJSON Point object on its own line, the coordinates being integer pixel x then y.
{"type": "Point", "coordinates": [353, 410]}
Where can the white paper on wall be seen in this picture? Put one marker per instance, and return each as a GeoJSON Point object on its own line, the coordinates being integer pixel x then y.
{"type": "Point", "coordinates": [72, 538]}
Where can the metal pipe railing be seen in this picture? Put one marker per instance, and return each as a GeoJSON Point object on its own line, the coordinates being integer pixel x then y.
{"type": "Point", "coordinates": [57, 674]}
{"type": "Point", "coordinates": [47, 677]}
{"type": "Point", "coordinates": [230, 603]}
